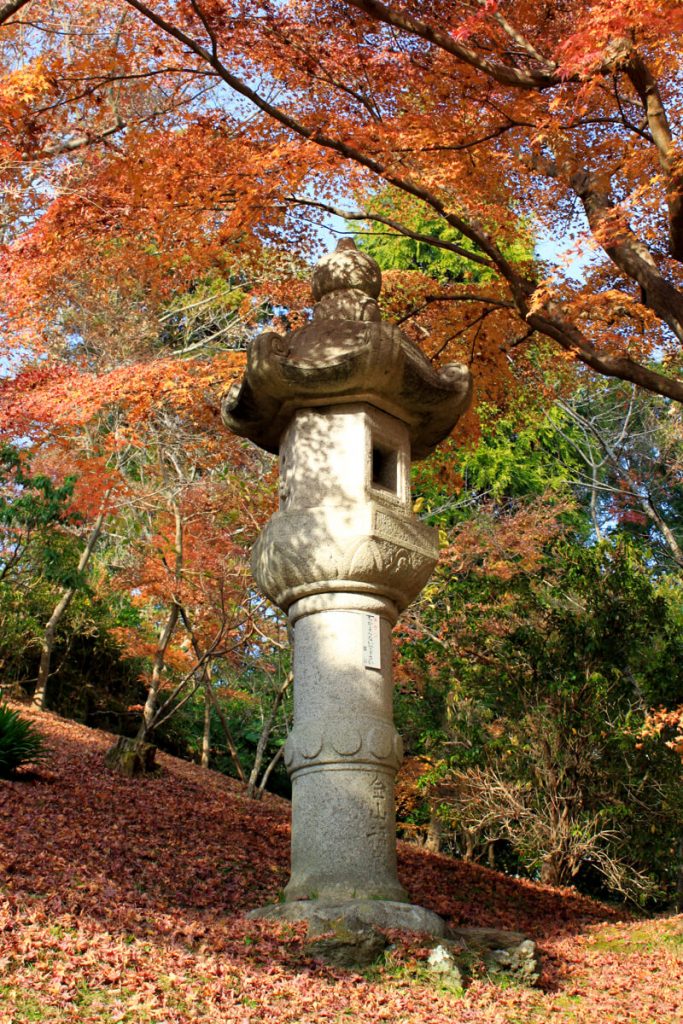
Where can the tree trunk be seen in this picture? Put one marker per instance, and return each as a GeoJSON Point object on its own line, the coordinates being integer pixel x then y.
{"type": "Point", "coordinates": [209, 693]}
{"type": "Point", "coordinates": [434, 829]}
{"type": "Point", "coordinates": [48, 641]}
{"type": "Point", "coordinates": [10, 8]}
{"type": "Point", "coordinates": [265, 735]}
{"type": "Point", "coordinates": [643, 498]}
{"type": "Point", "coordinates": [130, 758]}
{"type": "Point", "coordinates": [667, 533]}
{"type": "Point", "coordinates": [551, 870]}
{"type": "Point", "coordinates": [47, 646]}
{"type": "Point", "coordinates": [149, 711]}
{"type": "Point", "coordinates": [230, 743]}
{"type": "Point", "coordinates": [266, 775]}
{"type": "Point", "coordinates": [206, 738]}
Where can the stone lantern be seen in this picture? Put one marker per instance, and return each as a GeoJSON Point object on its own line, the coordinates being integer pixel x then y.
{"type": "Point", "coordinates": [347, 402]}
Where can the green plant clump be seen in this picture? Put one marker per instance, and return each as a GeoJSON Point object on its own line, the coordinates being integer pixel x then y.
{"type": "Point", "coordinates": [20, 742]}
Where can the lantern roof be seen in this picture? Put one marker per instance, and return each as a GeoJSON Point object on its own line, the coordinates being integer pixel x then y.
{"type": "Point", "coordinates": [346, 354]}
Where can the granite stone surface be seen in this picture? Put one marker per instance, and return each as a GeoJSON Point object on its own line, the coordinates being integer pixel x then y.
{"type": "Point", "coordinates": [348, 402]}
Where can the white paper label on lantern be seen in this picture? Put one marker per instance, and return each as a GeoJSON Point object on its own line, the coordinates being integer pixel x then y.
{"type": "Point", "coordinates": [371, 641]}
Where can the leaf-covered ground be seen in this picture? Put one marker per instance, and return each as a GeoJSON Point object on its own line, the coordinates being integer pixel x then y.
{"type": "Point", "coordinates": [124, 901]}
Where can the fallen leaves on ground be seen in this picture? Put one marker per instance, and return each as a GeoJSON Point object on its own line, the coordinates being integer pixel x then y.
{"type": "Point", "coordinates": [124, 901]}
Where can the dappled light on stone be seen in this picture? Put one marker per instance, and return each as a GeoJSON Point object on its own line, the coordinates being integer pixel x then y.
{"type": "Point", "coordinates": [347, 402]}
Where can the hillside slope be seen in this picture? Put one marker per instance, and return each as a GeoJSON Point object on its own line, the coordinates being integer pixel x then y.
{"type": "Point", "coordinates": [123, 901]}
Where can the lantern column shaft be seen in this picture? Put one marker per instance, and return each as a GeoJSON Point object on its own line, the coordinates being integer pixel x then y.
{"type": "Point", "coordinates": [343, 751]}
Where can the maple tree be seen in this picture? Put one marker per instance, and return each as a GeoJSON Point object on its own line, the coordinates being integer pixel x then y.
{"type": "Point", "coordinates": [182, 552]}
{"type": "Point", "coordinates": [45, 522]}
{"type": "Point", "coordinates": [177, 541]}
{"type": "Point", "coordinates": [173, 129]}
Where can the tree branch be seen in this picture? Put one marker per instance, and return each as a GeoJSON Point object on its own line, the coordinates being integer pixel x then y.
{"type": "Point", "coordinates": [626, 250]}
{"type": "Point", "coordinates": [418, 236]}
{"type": "Point", "coordinates": [572, 340]}
{"type": "Point", "coordinates": [459, 297]}
{"type": "Point", "coordinates": [10, 8]}
{"type": "Point", "coordinates": [503, 73]}
{"type": "Point", "coordinates": [644, 83]}
{"type": "Point", "coordinates": [658, 291]}
{"type": "Point", "coordinates": [344, 149]}
{"type": "Point", "coordinates": [205, 22]}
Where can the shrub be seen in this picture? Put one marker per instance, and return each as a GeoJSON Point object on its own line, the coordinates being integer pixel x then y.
{"type": "Point", "coordinates": [20, 742]}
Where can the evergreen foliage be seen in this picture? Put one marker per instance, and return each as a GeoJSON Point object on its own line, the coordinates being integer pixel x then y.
{"type": "Point", "coordinates": [20, 743]}
{"type": "Point", "coordinates": [537, 654]}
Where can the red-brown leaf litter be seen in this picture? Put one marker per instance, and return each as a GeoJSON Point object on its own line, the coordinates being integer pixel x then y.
{"type": "Point", "coordinates": [124, 901]}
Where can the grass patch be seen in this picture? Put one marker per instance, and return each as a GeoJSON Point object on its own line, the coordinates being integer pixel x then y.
{"type": "Point", "coordinates": [100, 1003]}
{"type": "Point", "coordinates": [639, 938]}
{"type": "Point", "coordinates": [21, 1008]}
{"type": "Point", "coordinates": [401, 972]}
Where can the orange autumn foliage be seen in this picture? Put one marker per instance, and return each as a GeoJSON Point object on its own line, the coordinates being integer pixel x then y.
{"type": "Point", "coordinates": [146, 144]}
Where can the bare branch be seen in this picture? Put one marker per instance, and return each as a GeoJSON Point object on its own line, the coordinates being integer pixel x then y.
{"type": "Point", "coordinates": [456, 297]}
{"type": "Point", "coordinates": [503, 73]}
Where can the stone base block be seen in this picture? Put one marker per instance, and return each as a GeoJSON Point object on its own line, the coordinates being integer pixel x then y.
{"type": "Point", "coordinates": [350, 934]}
{"type": "Point", "coordinates": [343, 830]}
{"type": "Point", "coordinates": [380, 913]}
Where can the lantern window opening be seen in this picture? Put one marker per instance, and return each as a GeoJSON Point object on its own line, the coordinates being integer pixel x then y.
{"type": "Point", "coordinates": [385, 468]}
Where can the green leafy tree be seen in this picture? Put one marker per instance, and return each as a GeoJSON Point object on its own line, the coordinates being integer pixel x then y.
{"type": "Point", "coordinates": [35, 554]}
{"type": "Point", "coordinates": [629, 448]}
{"type": "Point", "coordinates": [396, 250]}
{"type": "Point", "coordinates": [538, 655]}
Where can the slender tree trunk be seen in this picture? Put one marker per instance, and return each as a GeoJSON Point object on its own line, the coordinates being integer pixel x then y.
{"type": "Point", "coordinates": [269, 768]}
{"type": "Point", "coordinates": [652, 512]}
{"type": "Point", "coordinates": [434, 829]}
{"type": "Point", "coordinates": [149, 712]}
{"type": "Point", "coordinates": [47, 646]}
{"type": "Point", "coordinates": [211, 696]}
{"type": "Point", "coordinates": [594, 504]}
{"type": "Point", "coordinates": [206, 738]}
{"type": "Point", "coordinates": [48, 641]}
{"type": "Point", "coordinates": [643, 498]}
{"type": "Point", "coordinates": [157, 668]}
{"type": "Point", "coordinates": [230, 743]}
{"type": "Point", "coordinates": [265, 735]}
